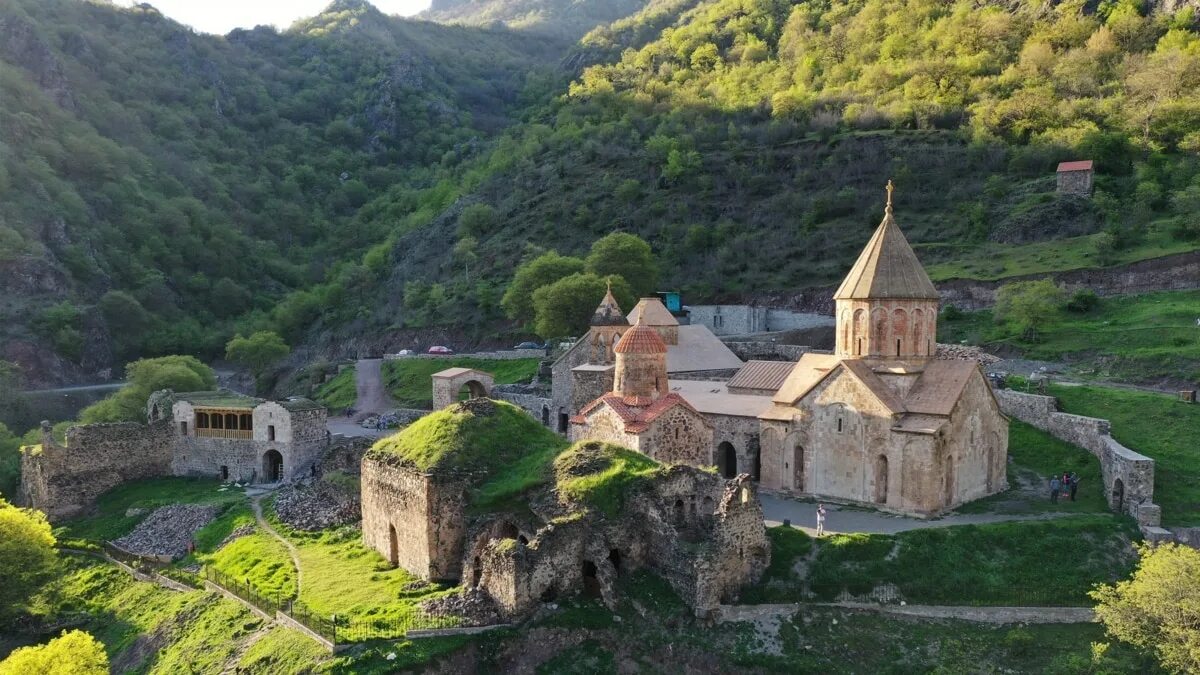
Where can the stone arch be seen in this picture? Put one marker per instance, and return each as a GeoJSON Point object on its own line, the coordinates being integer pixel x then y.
{"type": "Point", "coordinates": [677, 512]}
{"type": "Point", "coordinates": [727, 459]}
{"type": "Point", "coordinates": [881, 479]}
{"type": "Point", "coordinates": [448, 383]}
{"type": "Point", "coordinates": [506, 530]}
{"type": "Point", "coordinates": [899, 330]}
{"type": "Point", "coordinates": [918, 338]}
{"type": "Point", "coordinates": [844, 332]}
{"type": "Point", "coordinates": [795, 463]}
{"type": "Point", "coordinates": [879, 331]}
{"type": "Point", "coordinates": [860, 331]}
{"type": "Point", "coordinates": [272, 466]}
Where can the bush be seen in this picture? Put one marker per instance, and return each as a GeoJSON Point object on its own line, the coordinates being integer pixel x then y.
{"type": "Point", "coordinates": [1082, 301]}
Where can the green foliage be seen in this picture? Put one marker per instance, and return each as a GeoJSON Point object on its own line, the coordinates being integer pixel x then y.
{"type": "Point", "coordinates": [628, 256]}
{"type": "Point", "coordinates": [602, 475]}
{"type": "Point", "coordinates": [61, 325]}
{"type": "Point", "coordinates": [1083, 301]}
{"type": "Point", "coordinates": [260, 561]}
{"type": "Point", "coordinates": [339, 393]}
{"type": "Point", "coordinates": [72, 653]}
{"type": "Point", "coordinates": [10, 462]}
{"type": "Point", "coordinates": [476, 220]}
{"type": "Point", "coordinates": [111, 520]}
{"type": "Point", "coordinates": [1028, 305]}
{"type": "Point", "coordinates": [1156, 609]}
{"type": "Point", "coordinates": [143, 378]}
{"type": "Point", "coordinates": [282, 651]}
{"type": "Point", "coordinates": [27, 557]}
{"type": "Point", "coordinates": [543, 270]}
{"type": "Point", "coordinates": [565, 307]}
{"type": "Point", "coordinates": [407, 380]}
{"type": "Point", "coordinates": [258, 352]}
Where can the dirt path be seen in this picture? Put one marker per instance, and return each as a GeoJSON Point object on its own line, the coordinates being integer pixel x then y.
{"type": "Point", "coordinates": [841, 519]}
{"type": "Point", "coordinates": [761, 614]}
{"type": "Point", "coordinates": [256, 505]}
{"type": "Point", "coordinates": [373, 396]}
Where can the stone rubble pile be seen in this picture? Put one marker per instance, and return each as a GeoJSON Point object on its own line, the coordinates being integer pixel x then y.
{"type": "Point", "coordinates": [474, 606]}
{"type": "Point", "coordinates": [240, 532]}
{"type": "Point", "coordinates": [395, 419]}
{"type": "Point", "coordinates": [965, 353]}
{"type": "Point", "coordinates": [168, 530]}
{"type": "Point", "coordinates": [316, 506]}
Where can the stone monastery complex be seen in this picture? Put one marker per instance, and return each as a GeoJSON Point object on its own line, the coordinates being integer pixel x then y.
{"type": "Point", "coordinates": [879, 421]}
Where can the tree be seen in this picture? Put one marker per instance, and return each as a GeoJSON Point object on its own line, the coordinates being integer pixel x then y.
{"type": "Point", "coordinates": [1027, 306]}
{"type": "Point", "coordinates": [627, 256]}
{"type": "Point", "coordinates": [257, 352]}
{"type": "Point", "coordinates": [27, 557]}
{"type": "Point", "coordinates": [72, 653]}
{"type": "Point", "coordinates": [476, 220]}
{"type": "Point", "coordinates": [541, 271]}
{"type": "Point", "coordinates": [144, 377]}
{"type": "Point", "coordinates": [127, 320]}
{"type": "Point", "coordinates": [466, 252]}
{"type": "Point", "coordinates": [228, 298]}
{"type": "Point", "coordinates": [565, 307]}
{"type": "Point", "coordinates": [1158, 609]}
{"type": "Point", "coordinates": [10, 462]}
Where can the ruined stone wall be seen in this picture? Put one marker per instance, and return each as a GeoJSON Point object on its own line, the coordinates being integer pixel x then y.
{"type": "Point", "coordinates": [413, 519]}
{"type": "Point", "coordinates": [743, 434]}
{"type": "Point", "coordinates": [740, 551]}
{"type": "Point", "coordinates": [590, 385]}
{"type": "Point", "coordinates": [1128, 476]}
{"type": "Point", "coordinates": [678, 436]}
{"type": "Point", "coordinates": [539, 407]}
{"type": "Point", "coordinates": [766, 351]}
{"type": "Point", "coordinates": [65, 481]}
{"type": "Point", "coordinates": [562, 384]}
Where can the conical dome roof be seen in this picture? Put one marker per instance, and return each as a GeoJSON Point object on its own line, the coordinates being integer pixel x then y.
{"type": "Point", "coordinates": [609, 313]}
{"type": "Point", "coordinates": [887, 267]}
{"type": "Point", "coordinates": [641, 339]}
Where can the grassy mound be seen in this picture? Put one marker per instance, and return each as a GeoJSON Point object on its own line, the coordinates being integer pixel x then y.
{"type": "Point", "coordinates": [600, 474]}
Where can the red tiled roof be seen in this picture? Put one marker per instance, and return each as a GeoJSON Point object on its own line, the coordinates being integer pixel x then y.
{"type": "Point", "coordinates": [637, 417]}
{"type": "Point", "coordinates": [1082, 165]}
{"type": "Point", "coordinates": [641, 339]}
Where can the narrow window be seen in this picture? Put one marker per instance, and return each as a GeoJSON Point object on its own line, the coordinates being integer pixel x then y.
{"type": "Point", "coordinates": [270, 432]}
{"type": "Point", "coordinates": [839, 425]}
{"type": "Point", "coordinates": [897, 347]}
{"type": "Point", "coordinates": [858, 348]}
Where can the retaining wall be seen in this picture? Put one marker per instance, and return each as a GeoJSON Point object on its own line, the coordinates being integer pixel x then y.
{"type": "Point", "coordinates": [767, 351]}
{"type": "Point", "coordinates": [1128, 475]}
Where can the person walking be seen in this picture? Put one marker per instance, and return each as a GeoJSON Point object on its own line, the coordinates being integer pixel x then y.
{"type": "Point", "coordinates": [1055, 485]}
{"type": "Point", "coordinates": [1074, 485]}
{"type": "Point", "coordinates": [820, 520]}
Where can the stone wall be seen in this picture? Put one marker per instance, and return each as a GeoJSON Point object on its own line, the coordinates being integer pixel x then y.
{"type": "Point", "coordinates": [539, 407]}
{"type": "Point", "coordinates": [1128, 476]}
{"type": "Point", "coordinates": [767, 351]}
{"type": "Point", "coordinates": [1075, 182]}
{"type": "Point", "coordinates": [64, 481]}
{"type": "Point", "coordinates": [729, 319]}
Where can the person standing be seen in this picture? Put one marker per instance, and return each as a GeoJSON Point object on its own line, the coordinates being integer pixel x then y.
{"type": "Point", "coordinates": [820, 520]}
{"type": "Point", "coordinates": [1074, 485]}
{"type": "Point", "coordinates": [1055, 485]}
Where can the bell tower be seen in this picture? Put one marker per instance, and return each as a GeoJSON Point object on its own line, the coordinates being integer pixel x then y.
{"type": "Point", "coordinates": [887, 306]}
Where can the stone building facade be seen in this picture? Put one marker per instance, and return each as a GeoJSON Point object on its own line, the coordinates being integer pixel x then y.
{"type": "Point", "coordinates": [1075, 178]}
{"type": "Point", "coordinates": [253, 441]}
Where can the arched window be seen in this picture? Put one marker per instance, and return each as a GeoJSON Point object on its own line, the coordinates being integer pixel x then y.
{"type": "Point", "coordinates": [918, 340]}
{"type": "Point", "coordinates": [879, 323]}
{"type": "Point", "coordinates": [860, 330]}
{"type": "Point", "coordinates": [899, 329]}
{"type": "Point", "coordinates": [231, 421]}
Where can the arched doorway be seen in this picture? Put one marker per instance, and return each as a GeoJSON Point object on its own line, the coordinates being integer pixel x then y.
{"type": "Point", "coordinates": [393, 546]}
{"type": "Point", "coordinates": [563, 420]}
{"type": "Point", "coordinates": [881, 479]}
{"type": "Point", "coordinates": [728, 459]}
{"type": "Point", "coordinates": [272, 466]}
{"type": "Point", "coordinates": [472, 389]}
{"type": "Point", "coordinates": [798, 467]}
{"type": "Point", "coordinates": [1118, 495]}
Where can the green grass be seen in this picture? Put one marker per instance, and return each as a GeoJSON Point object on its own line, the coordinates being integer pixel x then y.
{"type": "Point", "coordinates": [602, 474]}
{"type": "Point", "coordinates": [111, 522]}
{"type": "Point", "coordinates": [260, 561]}
{"type": "Point", "coordinates": [282, 651]}
{"type": "Point", "coordinates": [993, 260]}
{"type": "Point", "coordinates": [235, 515]}
{"type": "Point", "coordinates": [1133, 337]}
{"type": "Point", "coordinates": [408, 380]}
{"type": "Point", "coordinates": [1018, 563]}
{"type": "Point", "coordinates": [1158, 426]}
{"type": "Point", "coordinates": [343, 577]}
{"type": "Point", "coordinates": [338, 393]}
{"type": "Point", "coordinates": [1036, 455]}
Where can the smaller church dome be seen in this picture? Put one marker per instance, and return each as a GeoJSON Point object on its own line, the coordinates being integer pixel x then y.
{"type": "Point", "coordinates": [641, 339]}
{"type": "Point", "coordinates": [609, 312]}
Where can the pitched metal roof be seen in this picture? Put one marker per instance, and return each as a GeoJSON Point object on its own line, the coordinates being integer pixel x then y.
{"type": "Point", "coordinates": [762, 375]}
{"type": "Point", "coordinates": [887, 268]}
{"type": "Point", "coordinates": [653, 312]}
{"type": "Point", "coordinates": [698, 349]}
{"type": "Point", "coordinates": [939, 387]}
{"type": "Point", "coordinates": [1081, 165]}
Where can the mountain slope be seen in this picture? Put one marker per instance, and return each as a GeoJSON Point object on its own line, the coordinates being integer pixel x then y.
{"type": "Point", "coordinates": [162, 184]}
{"type": "Point", "coordinates": [560, 18]}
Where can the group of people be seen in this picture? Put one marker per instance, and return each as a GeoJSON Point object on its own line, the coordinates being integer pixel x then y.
{"type": "Point", "coordinates": [1067, 483]}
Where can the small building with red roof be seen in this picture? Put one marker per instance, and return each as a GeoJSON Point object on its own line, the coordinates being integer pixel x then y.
{"type": "Point", "coordinates": [1075, 178]}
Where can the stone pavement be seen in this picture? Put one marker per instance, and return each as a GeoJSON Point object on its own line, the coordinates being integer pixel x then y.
{"type": "Point", "coordinates": [846, 519]}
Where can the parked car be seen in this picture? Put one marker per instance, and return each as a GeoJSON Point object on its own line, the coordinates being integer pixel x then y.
{"type": "Point", "coordinates": [405, 352]}
{"type": "Point", "coordinates": [529, 345]}
{"type": "Point", "coordinates": [439, 349]}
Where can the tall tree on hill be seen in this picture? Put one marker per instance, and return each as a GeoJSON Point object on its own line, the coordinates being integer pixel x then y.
{"type": "Point", "coordinates": [564, 308]}
{"type": "Point", "coordinates": [144, 377]}
{"type": "Point", "coordinates": [627, 256]}
{"type": "Point", "coordinates": [258, 352]}
{"type": "Point", "coordinates": [543, 270]}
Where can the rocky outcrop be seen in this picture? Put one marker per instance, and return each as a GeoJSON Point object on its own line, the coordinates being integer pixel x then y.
{"type": "Point", "coordinates": [21, 44]}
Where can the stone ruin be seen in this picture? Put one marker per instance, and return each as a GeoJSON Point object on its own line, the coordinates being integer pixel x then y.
{"type": "Point", "coordinates": [702, 533]}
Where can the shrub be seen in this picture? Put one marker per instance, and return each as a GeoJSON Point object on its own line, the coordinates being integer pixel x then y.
{"type": "Point", "coordinates": [1082, 301]}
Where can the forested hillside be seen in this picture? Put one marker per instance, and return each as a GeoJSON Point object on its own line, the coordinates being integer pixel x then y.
{"type": "Point", "coordinates": [358, 175]}
{"type": "Point", "coordinates": [164, 183]}
{"type": "Point", "coordinates": [561, 18]}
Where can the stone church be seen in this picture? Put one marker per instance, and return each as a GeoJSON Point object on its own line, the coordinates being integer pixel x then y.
{"type": "Point", "coordinates": [880, 420]}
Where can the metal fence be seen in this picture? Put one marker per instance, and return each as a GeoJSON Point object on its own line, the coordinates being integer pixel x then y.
{"type": "Point", "coordinates": [334, 628]}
